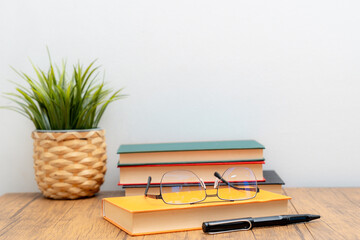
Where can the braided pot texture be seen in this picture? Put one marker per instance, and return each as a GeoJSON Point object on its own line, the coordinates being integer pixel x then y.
{"type": "Point", "coordinates": [69, 165]}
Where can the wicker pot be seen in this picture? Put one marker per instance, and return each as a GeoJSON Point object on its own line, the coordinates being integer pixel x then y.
{"type": "Point", "coordinates": [69, 164]}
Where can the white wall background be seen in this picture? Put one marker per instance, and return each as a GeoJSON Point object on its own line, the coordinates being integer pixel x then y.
{"type": "Point", "coordinates": [285, 73]}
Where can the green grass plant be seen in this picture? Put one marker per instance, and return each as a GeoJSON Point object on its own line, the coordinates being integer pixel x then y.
{"type": "Point", "coordinates": [58, 100]}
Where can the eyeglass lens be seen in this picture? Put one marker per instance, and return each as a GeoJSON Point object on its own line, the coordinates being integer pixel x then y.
{"type": "Point", "coordinates": [181, 187]}
{"type": "Point", "coordinates": [241, 184]}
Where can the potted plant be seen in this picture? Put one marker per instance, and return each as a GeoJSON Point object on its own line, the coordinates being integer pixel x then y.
{"type": "Point", "coordinates": [66, 108]}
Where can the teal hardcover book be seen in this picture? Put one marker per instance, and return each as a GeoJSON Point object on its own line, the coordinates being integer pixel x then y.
{"type": "Point", "coordinates": [189, 146]}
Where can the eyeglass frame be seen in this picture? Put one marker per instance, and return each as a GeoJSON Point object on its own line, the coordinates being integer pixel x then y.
{"type": "Point", "coordinates": [216, 185]}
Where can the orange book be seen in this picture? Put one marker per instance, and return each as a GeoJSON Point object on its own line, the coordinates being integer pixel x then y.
{"type": "Point", "coordinates": [139, 215]}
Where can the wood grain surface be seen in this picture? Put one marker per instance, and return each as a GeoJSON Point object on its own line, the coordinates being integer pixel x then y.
{"type": "Point", "coordinates": [31, 216]}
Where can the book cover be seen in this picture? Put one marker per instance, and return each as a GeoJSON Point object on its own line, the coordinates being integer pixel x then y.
{"type": "Point", "coordinates": [138, 215]}
{"type": "Point", "coordinates": [189, 146]}
{"type": "Point", "coordinates": [271, 177]}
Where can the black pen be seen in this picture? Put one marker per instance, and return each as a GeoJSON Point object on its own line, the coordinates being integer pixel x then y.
{"type": "Point", "coordinates": [248, 223]}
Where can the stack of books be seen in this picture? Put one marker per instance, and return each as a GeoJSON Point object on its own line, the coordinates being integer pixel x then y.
{"type": "Point", "coordinates": [139, 161]}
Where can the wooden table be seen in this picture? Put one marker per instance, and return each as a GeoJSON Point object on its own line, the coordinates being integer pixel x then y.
{"type": "Point", "coordinates": [30, 216]}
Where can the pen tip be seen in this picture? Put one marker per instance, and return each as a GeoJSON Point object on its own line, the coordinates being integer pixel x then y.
{"type": "Point", "coordinates": [312, 216]}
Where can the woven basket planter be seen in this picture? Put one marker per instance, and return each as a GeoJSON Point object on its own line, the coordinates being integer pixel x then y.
{"type": "Point", "coordinates": [69, 164]}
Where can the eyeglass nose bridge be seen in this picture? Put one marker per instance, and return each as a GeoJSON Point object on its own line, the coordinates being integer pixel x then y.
{"type": "Point", "coordinates": [216, 183]}
{"type": "Point", "coordinates": [217, 179]}
{"type": "Point", "coordinates": [202, 183]}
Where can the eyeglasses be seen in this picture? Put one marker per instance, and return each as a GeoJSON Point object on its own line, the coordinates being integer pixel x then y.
{"type": "Point", "coordinates": [185, 187]}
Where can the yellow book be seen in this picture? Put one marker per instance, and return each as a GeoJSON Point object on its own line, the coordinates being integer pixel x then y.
{"type": "Point", "coordinates": [139, 215]}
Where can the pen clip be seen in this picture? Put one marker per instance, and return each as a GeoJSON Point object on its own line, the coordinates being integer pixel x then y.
{"type": "Point", "coordinates": [234, 230]}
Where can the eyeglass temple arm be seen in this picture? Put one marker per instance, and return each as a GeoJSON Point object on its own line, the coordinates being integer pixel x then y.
{"type": "Point", "coordinates": [147, 189]}
{"type": "Point", "coordinates": [216, 174]}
